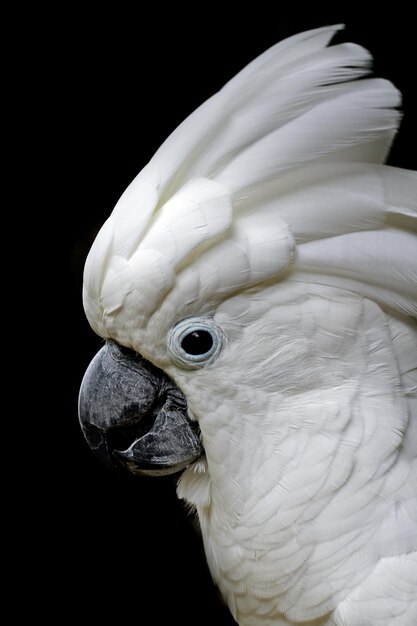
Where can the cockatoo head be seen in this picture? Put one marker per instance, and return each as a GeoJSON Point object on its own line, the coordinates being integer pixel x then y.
{"type": "Point", "coordinates": [239, 281]}
{"type": "Point", "coordinates": [243, 236]}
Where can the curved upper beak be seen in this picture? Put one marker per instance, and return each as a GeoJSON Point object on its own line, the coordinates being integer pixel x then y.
{"type": "Point", "coordinates": [134, 416]}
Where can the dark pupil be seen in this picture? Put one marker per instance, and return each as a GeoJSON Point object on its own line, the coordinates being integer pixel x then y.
{"type": "Point", "coordinates": [197, 342]}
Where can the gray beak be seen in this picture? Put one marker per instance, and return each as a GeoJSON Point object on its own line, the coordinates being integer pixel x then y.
{"type": "Point", "coordinates": [134, 416]}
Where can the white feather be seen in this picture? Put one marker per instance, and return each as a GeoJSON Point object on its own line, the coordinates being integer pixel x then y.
{"type": "Point", "coordinates": [269, 210]}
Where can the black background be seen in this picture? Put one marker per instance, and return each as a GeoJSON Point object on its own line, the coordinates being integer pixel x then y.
{"type": "Point", "coordinates": [105, 93]}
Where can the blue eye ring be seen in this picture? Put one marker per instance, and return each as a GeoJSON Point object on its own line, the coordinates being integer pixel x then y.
{"type": "Point", "coordinates": [195, 341]}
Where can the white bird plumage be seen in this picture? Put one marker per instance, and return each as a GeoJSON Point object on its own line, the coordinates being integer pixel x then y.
{"type": "Point", "coordinates": [269, 210]}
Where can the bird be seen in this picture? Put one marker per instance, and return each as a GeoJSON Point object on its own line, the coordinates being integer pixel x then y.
{"type": "Point", "coordinates": [256, 290]}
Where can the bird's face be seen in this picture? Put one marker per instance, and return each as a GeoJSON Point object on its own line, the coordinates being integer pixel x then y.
{"type": "Point", "coordinates": [221, 383]}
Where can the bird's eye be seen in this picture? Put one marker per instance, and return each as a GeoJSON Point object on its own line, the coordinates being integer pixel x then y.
{"type": "Point", "coordinates": [199, 341]}
{"type": "Point", "coordinates": [195, 341]}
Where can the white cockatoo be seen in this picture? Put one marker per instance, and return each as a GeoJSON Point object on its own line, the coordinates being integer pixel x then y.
{"type": "Point", "coordinates": [257, 288]}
